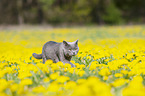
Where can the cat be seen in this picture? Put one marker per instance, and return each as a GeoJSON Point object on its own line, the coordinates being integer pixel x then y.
{"type": "Point", "coordinates": [58, 52]}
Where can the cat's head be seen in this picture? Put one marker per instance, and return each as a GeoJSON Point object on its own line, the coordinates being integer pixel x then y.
{"type": "Point", "coordinates": [70, 48]}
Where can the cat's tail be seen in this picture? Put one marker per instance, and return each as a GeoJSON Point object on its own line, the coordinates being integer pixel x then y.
{"type": "Point", "coordinates": [37, 56]}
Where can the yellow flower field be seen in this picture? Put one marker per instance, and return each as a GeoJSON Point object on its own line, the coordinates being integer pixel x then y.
{"type": "Point", "coordinates": [110, 62]}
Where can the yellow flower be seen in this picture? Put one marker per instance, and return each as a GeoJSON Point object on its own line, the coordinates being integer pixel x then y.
{"type": "Point", "coordinates": [136, 82]}
{"type": "Point", "coordinates": [39, 89]}
{"type": "Point", "coordinates": [23, 75]}
{"type": "Point", "coordinates": [107, 60]}
{"type": "Point", "coordinates": [2, 65]}
{"type": "Point", "coordinates": [89, 88]}
{"type": "Point", "coordinates": [88, 57]}
{"type": "Point", "coordinates": [105, 78]}
{"type": "Point", "coordinates": [53, 87]}
{"type": "Point", "coordinates": [124, 72]}
{"type": "Point", "coordinates": [80, 72]}
{"type": "Point", "coordinates": [129, 55]}
{"type": "Point", "coordinates": [26, 82]}
{"type": "Point", "coordinates": [78, 91]}
{"type": "Point", "coordinates": [118, 75]}
{"type": "Point", "coordinates": [3, 94]}
{"type": "Point", "coordinates": [8, 70]}
{"type": "Point", "coordinates": [93, 65]}
{"type": "Point", "coordinates": [135, 87]}
{"type": "Point", "coordinates": [4, 84]}
{"type": "Point", "coordinates": [46, 79]}
{"type": "Point", "coordinates": [70, 85]}
{"type": "Point", "coordinates": [14, 87]}
{"type": "Point", "coordinates": [104, 72]}
{"type": "Point", "coordinates": [48, 62]}
{"type": "Point", "coordinates": [71, 70]}
{"type": "Point", "coordinates": [60, 64]}
{"type": "Point", "coordinates": [21, 90]}
{"type": "Point", "coordinates": [62, 79]}
{"type": "Point", "coordinates": [54, 67]}
{"type": "Point", "coordinates": [54, 76]}
{"type": "Point", "coordinates": [2, 73]}
{"type": "Point", "coordinates": [80, 81]}
{"type": "Point", "coordinates": [67, 65]}
{"type": "Point", "coordinates": [124, 56]}
{"type": "Point", "coordinates": [80, 66]}
{"type": "Point", "coordinates": [119, 82]}
{"type": "Point", "coordinates": [43, 67]}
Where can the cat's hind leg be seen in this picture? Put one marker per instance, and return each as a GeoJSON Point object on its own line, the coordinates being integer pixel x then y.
{"type": "Point", "coordinates": [44, 60]}
{"type": "Point", "coordinates": [43, 57]}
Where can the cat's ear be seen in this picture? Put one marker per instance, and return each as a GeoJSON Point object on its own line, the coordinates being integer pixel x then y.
{"type": "Point", "coordinates": [76, 42]}
{"type": "Point", "coordinates": [65, 43]}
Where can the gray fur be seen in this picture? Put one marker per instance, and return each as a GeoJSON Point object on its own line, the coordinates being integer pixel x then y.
{"type": "Point", "coordinates": [58, 51]}
{"type": "Point", "coordinates": [38, 56]}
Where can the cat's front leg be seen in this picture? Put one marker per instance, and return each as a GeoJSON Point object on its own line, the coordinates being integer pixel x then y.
{"type": "Point", "coordinates": [72, 65]}
{"type": "Point", "coordinates": [55, 58]}
{"type": "Point", "coordinates": [64, 60]}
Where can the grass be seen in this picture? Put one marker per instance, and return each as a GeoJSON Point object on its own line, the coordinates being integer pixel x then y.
{"type": "Point", "coordinates": [110, 62]}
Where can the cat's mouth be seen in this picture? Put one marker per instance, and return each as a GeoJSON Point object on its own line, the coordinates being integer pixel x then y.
{"type": "Point", "coordinates": [74, 54]}
{"type": "Point", "coordinates": [68, 55]}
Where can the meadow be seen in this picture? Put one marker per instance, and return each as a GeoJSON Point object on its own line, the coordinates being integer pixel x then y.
{"type": "Point", "coordinates": [110, 62]}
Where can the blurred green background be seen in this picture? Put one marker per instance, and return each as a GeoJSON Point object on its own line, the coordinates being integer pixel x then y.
{"type": "Point", "coordinates": [72, 12]}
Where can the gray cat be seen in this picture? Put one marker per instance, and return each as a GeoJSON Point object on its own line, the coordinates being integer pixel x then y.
{"type": "Point", "coordinates": [58, 52]}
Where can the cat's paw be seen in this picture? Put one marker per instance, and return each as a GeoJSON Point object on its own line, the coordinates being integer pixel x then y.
{"type": "Point", "coordinates": [72, 65]}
